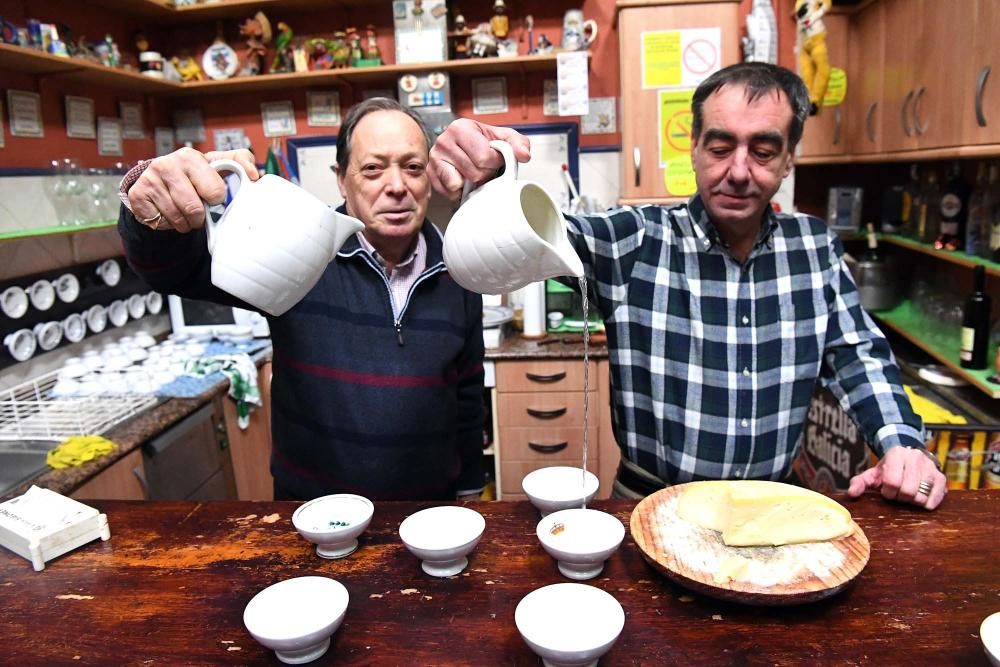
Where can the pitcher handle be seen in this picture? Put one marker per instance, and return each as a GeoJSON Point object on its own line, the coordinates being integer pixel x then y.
{"type": "Point", "coordinates": [589, 26]}
{"type": "Point", "coordinates": [221, 166]}
{"type": "Point", "coordinates": [509, 165]}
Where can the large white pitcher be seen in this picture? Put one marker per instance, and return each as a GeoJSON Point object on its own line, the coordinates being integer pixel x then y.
{"type": "Point", "coordinates": [507, 234]}
{"type": "Point", "coordinates": [274, 240]}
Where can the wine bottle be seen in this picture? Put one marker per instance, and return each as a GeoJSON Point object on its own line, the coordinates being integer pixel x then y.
{"type": "Point", "coordinates": [976, 324]}
{"type": "Point", "coordinates": [980, 210]}
{"type": "Point", "coordinates": [871, 255]}
{"type": "Point", "coordinates": [954, 209]}
{"type": "Point", "coordinates": [929, 213]}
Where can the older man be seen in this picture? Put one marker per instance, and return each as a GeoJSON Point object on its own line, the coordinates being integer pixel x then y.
{"type": "Point", "coordinates": [722, 314]}
{"type": "Point", "coordinates": [378, 377]}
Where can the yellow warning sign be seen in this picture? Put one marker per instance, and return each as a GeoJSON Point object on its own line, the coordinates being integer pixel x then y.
{"type": "Point", "coordinates": [661, 59]}
{"type": "Point", "coordinates": [678, 178]}
{"type": "Point", "coordinates": [675, 141]}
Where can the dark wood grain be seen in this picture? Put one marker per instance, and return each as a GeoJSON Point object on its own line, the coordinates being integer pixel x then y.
{"type": "Point", "coordinates": [171, 584]}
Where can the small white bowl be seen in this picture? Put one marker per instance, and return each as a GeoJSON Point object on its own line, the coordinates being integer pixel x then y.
{"type": "Point", "coordinates": [42, 294]}
{"type": "Point", "coordinates": [296, 617]}
{"type": "Point", "coordinates": [580, 540]}
{"type": "Point", "coordinates": [67, 287]}
{"type": "Point", "coordinates": [989, 633]}
{"type": "Point", "coordinates": [333, 523]}
{"type": "Point", "coordinates": [559, 488]}
{"type": "Point", "coordinates": [442, 537]}
{"type": "Point", "coordinates": [14, 302]}
{"type": "Point", "coordinates": [569, 624]}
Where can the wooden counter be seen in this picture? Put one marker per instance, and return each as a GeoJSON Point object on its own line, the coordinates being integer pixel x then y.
{"type": "Point", "coordinates": [171, 585]}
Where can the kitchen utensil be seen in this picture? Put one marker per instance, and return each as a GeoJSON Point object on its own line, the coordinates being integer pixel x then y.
{"type": "Point", "coordinates": [74, 327]}
{"type": "Point", "coordinates": [67, 287]}
{"type": "Point", "coordinates": [21, 344]}
{"type": "Point", "coordinates": [442, 537]}
{"type": "Point", "coordinates": [296, 617]}
{"type": "Point", "coordinates": [507, 234]}
{"type": "Point", "coordinates": [110, 272]}
{"type": "Point", "coordinates": [42, 294]}
{"type": "Point", "coordinates": [559, 487]}
{"type": "Point", "coordinates": [580, 540]}
{"type": "Point", "coordinates": [696, 558]}
{"type": "Point", "coordinates": [274, 241]}
{"type": "Point", "coordinates": [333, 523]}
{"type": "Point", "coordinates": [569, 625]}
{"type": "Point", "coordinates": [14, 302]}
{"type": "Point", "coordinates": [48, 334]}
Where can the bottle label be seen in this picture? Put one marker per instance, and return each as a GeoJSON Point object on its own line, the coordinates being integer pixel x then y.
{"type": "Point", "coordinates": [968, 342]}
{"type": "Point", "coordinates": [951, 205]}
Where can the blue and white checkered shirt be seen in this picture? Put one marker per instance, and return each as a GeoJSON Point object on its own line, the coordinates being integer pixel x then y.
{"type": "Point", "coordinates": [713, 362]}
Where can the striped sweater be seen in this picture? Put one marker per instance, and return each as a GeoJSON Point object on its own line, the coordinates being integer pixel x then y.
{"type": "Point", "coordinates": [361, 403]}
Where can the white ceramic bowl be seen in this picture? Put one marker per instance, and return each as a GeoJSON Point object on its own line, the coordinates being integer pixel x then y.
{"type": "Point", "coordinates": [333, 523]}
{"type": "Point", "coordinates": [21, 344]}
{"type": "Point", "coordinates": [97, 318]}
{"type": "Point", "coordinates": [14, 302]}
{"type": "Point", "coordinates": [42, 294]}
{"type": "Point", "coordinates": [110, 272]}
{"type": "Point", "coordinates": [296, 617]}
{"type": "Point", "coordinates": [67, 287]}
{"type": "Point", "coordinates": [136, 305]}
{"type": "Point", "coordinates": [569, 624]}
{"type": "Point", "coordinates": [559, 488]}
{"type": "Point", "coordinates": [154, 303]}
{"type": "Point", "coordinates": [580, 540]}
{"type": "Point", "coordinates": [989, 633]}
{"type": "Point", "coordinates": [442, 537]}
{"type": "Point", "coordinates": [118, 313]}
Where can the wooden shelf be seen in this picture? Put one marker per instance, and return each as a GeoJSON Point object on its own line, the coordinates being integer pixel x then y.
{"type": "Point", "coordinates": [56, 231]}
{"type": "Point", "coordinates": [954, 257]}
{"type": "Point", "coordinates": [36, 62]}
{"type": "Point", "coordinates": [907, 321]}
{"type": "Point", "coordinates": [165, 11]}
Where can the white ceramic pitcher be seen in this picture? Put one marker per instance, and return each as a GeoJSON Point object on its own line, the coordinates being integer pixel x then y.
{"type": "Point", "coordinates": [507, 234]}
{"type": "Point", "coordinates": [274, 240]}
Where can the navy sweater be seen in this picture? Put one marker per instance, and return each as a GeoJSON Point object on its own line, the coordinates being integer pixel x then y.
{"type": "Point", "coordinates": [360, 403]}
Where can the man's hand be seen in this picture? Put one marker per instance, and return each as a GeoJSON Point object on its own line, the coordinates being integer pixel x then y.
{"type": "Point", "coordinates": [169, 193]}
{"type": "Point", "coordinates": [906, 475]}
{"type": "Point", "coordinates": [462, 153]}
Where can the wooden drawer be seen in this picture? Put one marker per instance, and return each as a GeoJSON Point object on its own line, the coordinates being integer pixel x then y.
{"type": "Point", "coordinates": [512, 472]}
{"type": "Point", "coordinates": [545, 409]}
{"type": "Point", "coordinates": [548, 375]}
{"type": "Point", "coordinates": [546, 444]}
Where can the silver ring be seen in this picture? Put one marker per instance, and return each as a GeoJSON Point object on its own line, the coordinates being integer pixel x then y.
{"type": "Point", "coordinates": [925, 488]}
{"type": "Point", "coordinates": [152, 223]}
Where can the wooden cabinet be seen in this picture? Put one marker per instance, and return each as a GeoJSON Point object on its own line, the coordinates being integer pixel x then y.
{"type": "Point", "coordinates": [250, 449]}
{"type": "Point", "coordinates": [981, 118]}
{"type": "Point", "coordinates": [863, 105]}
{"type": "Point", "coordinates": [540, 421]}
{"type": "Point", "coordinates": [123, 480]}
{"type": "Point", "coordinates": [826, 132]}
{"type": "Point", "coordinates": [642, 175]}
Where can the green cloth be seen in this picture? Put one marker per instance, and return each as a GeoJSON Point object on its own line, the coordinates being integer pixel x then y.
{"type": "Point", "coordinates": [242, 375]}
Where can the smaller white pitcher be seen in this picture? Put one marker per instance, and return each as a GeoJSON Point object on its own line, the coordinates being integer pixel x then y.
{"type": "Point", "coordinates": [507, 234]}
{"type": "Point", "coordinates": [274, 240]}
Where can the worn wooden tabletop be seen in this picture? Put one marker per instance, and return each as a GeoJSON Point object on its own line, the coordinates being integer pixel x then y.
{"type": "Point", "coordinates": [171, 585]}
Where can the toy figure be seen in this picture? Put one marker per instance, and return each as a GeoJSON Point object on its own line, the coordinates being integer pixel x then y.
{"type": "Point", "coordinates": [814, 60]}
{"type": "Point", "coordinates": [320, 53]}
{"type": "Point", "coordinates": [459, 22]}
{"type": "Point", "coordinates": [257, 30]}
{"type": "Point", "coordinates": [283, 61]}
{"type": "Point", "coordinates": [544, 45]}
{"type": "Point", "coordinates": [372, 52]}
{"type": "Point", "coordinates": [499, 23]}
{"type": "Point", "coordinates": [529, 25]}
{"type": "Point", "coordinates": [300, 59]}
{"type": "Point", "coordinates": [111, 57]}
{"type": "Point", "coordinates": [418, 14]}
{"type": "Point", "coordinates": [482, 44]}
{"type": "Point", "coordinates": [354, 40]}
{"type": "Point", "coordinates": [341, 52]}
{"type": "Point", "coordinates": [141, 41]}
{"type": "Point", "coordinates": [188, 67]}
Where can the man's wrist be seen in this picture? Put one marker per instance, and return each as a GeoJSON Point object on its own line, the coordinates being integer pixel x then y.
{"type": "Point", "coordinates": [929, 454]}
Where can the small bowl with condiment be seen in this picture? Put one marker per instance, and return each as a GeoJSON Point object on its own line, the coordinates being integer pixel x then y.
{"type": "Point", "coordinates": [580, 540]}
{"type": "Point", "coordinates": [989, 633]}
{"type": "Point", "coordinates": [333, 523]}
{"type": "Point", "coordinates": [569, 624]}
{"type": "Point", "coordinates": [559, 487]}
{"type": "Point", "coordinates": [442, 537]}
{"type": "Point", "coordinates": [295, 618]}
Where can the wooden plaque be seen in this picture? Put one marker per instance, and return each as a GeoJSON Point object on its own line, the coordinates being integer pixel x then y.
{"type": "Point", "coordinates": [653, 528]}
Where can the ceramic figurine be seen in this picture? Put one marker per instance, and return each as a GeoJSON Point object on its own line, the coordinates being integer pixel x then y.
{"type": "Point", "coordinates": [418, 14]}
{"type": "Point", "coordinates": [257, 31]}
{"type": "Point", "coordinates": [340, 50]}
{"type": "Point", "coordinates": [482, 44]}
{"type": "Point", "coordinates": [283, 61]}
{"type": "Point", "coordinates": [529, 25]}
{"type": "Point", "coordinates": [814, 61]}
{"type": "Point", "coordinates": [354, 40]}
{"type": "Point", "coordinates": [141, 41]}
{"type": "Point", "coordinates": [544, 45]}
{"type": "Point", "coordinates": [320, 53]}
{"type": "Point", "coordinates": [300, 58]}
{"type": "Point", "coordinates": [371, 47]}
{"type": "Point", "coordinates": [459, 22]}
{"type": "Point", "coordinates": [111, 56]}
{"type": "Point", "coordinates": [499, 23]}
{"type": "Point", "coordinates": [187, 67]}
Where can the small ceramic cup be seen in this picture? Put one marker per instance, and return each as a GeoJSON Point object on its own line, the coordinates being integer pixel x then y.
{"type": "Point", "coordinates": [14, 302]}
{"type": "Point", "coordinates": [110, 272]}
{"type": "Point", "coordinates": [74, 327]}
{"type": "Point", "coordinates": [97, 318]}
{"type": "Point", "coordinates": [48, 335]}
{"type": "Point", "coordinates": [21, 344]}
{"type": "Point", "coordinates": [67, 287]}
{"type": "Point", "coordinates": [42, 294]}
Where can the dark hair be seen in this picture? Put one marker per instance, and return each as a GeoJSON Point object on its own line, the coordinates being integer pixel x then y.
{"type": "Point", "coordinates": [757, 79]}
{"type": "Point", "coordinates": [362, 109]}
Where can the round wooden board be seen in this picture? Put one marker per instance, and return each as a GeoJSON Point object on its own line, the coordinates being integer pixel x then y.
{"type": "Point", "coordinates": [656, 547]}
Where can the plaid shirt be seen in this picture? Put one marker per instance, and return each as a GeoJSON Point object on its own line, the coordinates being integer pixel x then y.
{"type": "Point", "coordinates": [713, 362]}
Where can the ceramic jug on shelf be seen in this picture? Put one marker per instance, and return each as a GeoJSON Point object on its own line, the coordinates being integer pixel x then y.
{"type": "Point", "coordinates": [273, 241]}
{"type": "Point", "coordinates": [578, 34]}
{"type": "Point", "coordinates": [507, 233]}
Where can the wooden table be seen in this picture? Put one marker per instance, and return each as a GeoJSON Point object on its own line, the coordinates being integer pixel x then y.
{"type": "Point", "coordinates": [171, 584]}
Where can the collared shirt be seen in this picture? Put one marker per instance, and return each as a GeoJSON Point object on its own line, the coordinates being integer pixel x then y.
{"type": "Point", "coordinates": [404, 274]}
{"type": "Point", "coordinates": [714, 362]}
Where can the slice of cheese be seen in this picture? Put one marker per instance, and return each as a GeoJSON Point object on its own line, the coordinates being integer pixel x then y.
{"type": "Point", "coordinates": [758, 513]}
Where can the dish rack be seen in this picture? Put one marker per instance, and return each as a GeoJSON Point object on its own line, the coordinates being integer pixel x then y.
{"type": "Point", "coordinates": [30, 411]}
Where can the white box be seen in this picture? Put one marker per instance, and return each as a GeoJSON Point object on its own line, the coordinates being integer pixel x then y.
{"type": "Point", "coordinates": [41, 525]}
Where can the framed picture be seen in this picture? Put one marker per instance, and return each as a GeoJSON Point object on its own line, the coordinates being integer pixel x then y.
{"type": "Point", "coordinates": [25, 110]}
{"type": "Point", "coordinates": [278, 119]}
{"type": "Point", "coordinates": [80, 118]}
{"type": "Point", "coordinates": [323, 108]}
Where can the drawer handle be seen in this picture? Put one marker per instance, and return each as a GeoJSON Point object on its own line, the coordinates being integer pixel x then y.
{"type": "Point", "coordinates": [904, 114]}
{"type": "Point", "coordinates": [548, 449]}
{"type": "Point", "coordinates": [547, 414]}
{"type": "Point", "coordinates": [555, 377]}
{"type": "Point", "coordinates": [984, 73]}
{"type": "Point", "coordinates": [869, 128]}
{"type": "Point", "coordinates": [920, 128]}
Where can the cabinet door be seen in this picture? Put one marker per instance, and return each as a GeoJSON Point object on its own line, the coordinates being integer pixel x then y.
{"type": "Point", "coordinates": [980, 102]}
{"type": "Point", "coordinates": [250, 449]}
{"type": "Point", "coordinates": [123, 480]}
{"type": "Point", "coordinates": [825, 133]}
{"type": "Point", "coordinates": [642, 176]}
{"type": "Point", "coordinates": [900, 52]}
{"type": "Point", "coordinates": [863, 106]}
